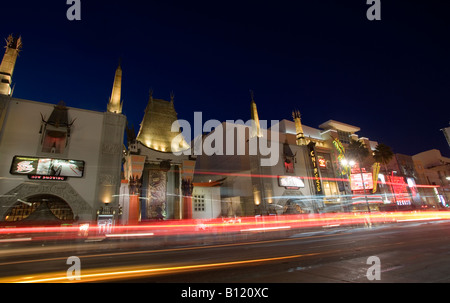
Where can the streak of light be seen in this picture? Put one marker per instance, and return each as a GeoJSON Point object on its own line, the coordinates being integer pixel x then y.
{"type": "Point", "coordinates": [171, 249]}
{"type": "Point", "coordinates": [129, 235]}
{"type": "Point", "coordinates": [266, 228]}
{"type": "Point", "coordinates": [15, 240]}
{"type": "Point", "coordinates": [418, 219]}
{"type": "Point", "coordinates": [213, 226]}
{"type": "Point", "coordinates": [92, 275]}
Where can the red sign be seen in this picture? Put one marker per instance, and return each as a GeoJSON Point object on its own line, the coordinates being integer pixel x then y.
{"type": "Point", "coordinates": [322, 161]}
{"type": "Point", "coordinates": [400, 189]}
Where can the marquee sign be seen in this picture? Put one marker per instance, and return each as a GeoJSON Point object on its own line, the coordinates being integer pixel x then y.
{"type": "Point", "coordinates": [38, 168]}
{"type": "Point", "coordinates": [316, 176]}
{"type": "Point", "coordinates": [356, 181]}
{"type": "Point", "coordinates": [290, 182]}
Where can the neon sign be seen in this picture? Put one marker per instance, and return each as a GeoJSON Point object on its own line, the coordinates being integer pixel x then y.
{"type": "Point", "coordinates": [316, 176]}
{"type": "Point", "coordinates": [322, 162]}
{"type": "Point", "coordinates": [400, 190]}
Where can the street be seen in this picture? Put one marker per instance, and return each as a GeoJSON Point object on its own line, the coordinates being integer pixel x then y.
{"type": "Point", "coordinates": [407, 252]}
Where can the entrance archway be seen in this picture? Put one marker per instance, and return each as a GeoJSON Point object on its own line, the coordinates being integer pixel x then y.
{"type": "Point", "coordinates": [40, 208]}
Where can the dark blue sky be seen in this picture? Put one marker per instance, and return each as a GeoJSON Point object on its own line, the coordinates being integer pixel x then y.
{"type": "Point", "coordinates": [390, 77]}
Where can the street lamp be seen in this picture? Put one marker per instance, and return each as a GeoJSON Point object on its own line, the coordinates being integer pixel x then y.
{"type": "Point", "coordinates": [346, 162]}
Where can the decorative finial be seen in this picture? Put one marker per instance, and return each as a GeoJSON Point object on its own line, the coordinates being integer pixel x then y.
{"type": "Point", "coordinates": [14, 42]}
{"type": "Point", "coordinates": [295, 114]}
{"type": "Point", "coordinates": [252, 95]}
{"type": "Point", "coordinates": [150, 93]}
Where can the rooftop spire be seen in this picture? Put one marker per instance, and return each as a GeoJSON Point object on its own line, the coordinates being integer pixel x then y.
{"type": "Point", "coordinates": [13, 47]}
{"type": "Point", "coordinates": [300, 138]}
{"type": "Point", "coordinates": [115, 102]}
{"type": "Point", "coordinates": [256, 129]}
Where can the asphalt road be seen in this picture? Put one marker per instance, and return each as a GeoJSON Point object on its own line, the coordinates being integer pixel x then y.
{"type": "Point", "coordinates": [407, 252]}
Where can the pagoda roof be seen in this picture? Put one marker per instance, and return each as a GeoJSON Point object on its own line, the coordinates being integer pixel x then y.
{"type": "Point", "coordinates": [155, 131]}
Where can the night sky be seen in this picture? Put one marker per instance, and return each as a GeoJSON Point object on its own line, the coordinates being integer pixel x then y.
{"type": "Point", "coordinates": [391, 77]}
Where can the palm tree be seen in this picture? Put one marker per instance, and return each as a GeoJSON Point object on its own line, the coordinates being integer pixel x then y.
{"type": "Point", "coordinates": [356, 150]}
{"type": "Point", "coordinates": [383, 154]}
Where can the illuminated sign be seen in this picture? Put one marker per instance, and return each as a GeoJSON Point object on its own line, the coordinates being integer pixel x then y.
{"type": "Point", "coordinates": [403, 202]}
{"type": "Point", "coordinates": [54, 178]}
{"type": "Point", "coordinates": [105, 224]}
{"type": "Point", "coordinates": [43, 168]}
{"type": "Point", "coordinates": [356, 181]}
{"type": "Point", "coordinates": [322, 161]}
{"type": "Point", "coordinates": [399, 187]}
{"type": "Point", "coordinates": [316, 176]}
{"type": "Point", "coordinates": [290, 182]}
{"type": "Point", "coordinates": [413, 187]}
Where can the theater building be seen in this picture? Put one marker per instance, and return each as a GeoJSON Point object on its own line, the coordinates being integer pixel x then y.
{"type": "Point", "coordinates": [307, 178]}
{"type": "Point", "coordinates": [329, 142]}
{"type": "Point", "coordinates": [160, 182]}
{"type": "Point", "coordinates": [58, 164]}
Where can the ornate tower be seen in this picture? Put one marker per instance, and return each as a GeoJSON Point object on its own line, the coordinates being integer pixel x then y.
{"type": "Point", "coordinates": [115, 103]}
{"type": "Point", "coordinates": [13, 46]}
{"type": "Point", "coordinates": [256, 129]}
{"type": "Point", "coordinates": [298, 128]}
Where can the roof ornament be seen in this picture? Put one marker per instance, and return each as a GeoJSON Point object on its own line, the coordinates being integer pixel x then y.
{"type": "Point", "coordinates": [14, 42]}
{"type": "Point", "coordinates": [150, 94]}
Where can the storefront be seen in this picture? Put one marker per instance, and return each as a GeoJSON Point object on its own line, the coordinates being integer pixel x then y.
{"type": "Point", "coordinates": [331, 186]}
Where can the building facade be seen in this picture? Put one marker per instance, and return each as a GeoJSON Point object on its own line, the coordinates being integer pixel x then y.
{"type": "Point", "coordinates": [62, 156]}
{"type": "Point", "coordinates": [151, 166]}
{"type": "Point", "coordinates": [307, 177]}
{"type": "Point", "coordinates": [58, 164]}
{"type": "Point", "coordinates": [434, 174]}
{"type": "Point", "coordinates": [446, 132]}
